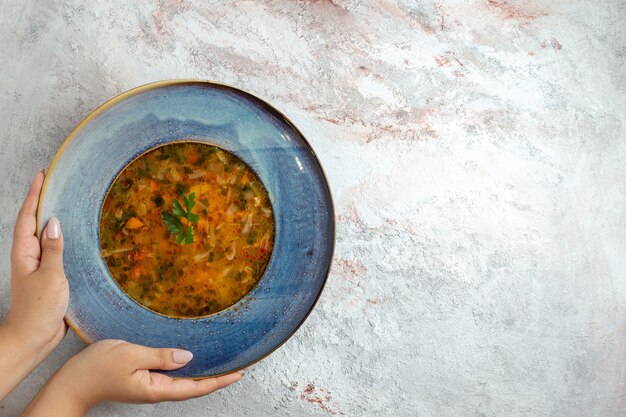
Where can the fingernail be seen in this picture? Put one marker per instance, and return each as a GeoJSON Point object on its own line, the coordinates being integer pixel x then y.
{"type": "Point", "coordinates": [242, 375]}
{"type": "Point", "coordinates": [182, 356]}
{"type": "Point", "coordinates": [42, 171]}
{"type": "Point", "coordinates": [53, 230]}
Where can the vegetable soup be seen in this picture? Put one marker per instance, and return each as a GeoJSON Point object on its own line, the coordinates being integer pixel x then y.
{"type": "Point", "coordinates": [186, 229]}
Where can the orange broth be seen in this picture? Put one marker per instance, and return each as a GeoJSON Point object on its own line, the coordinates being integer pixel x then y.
{"type": "Point", "coordinates": [186, 229]}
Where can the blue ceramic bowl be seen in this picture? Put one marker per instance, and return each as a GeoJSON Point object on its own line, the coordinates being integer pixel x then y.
{"type": "Point", "coordinates": [154, 114]}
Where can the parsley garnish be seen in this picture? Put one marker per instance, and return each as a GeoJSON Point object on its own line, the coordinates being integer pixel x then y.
{"type": "Point", "coordinates": [174, 223]}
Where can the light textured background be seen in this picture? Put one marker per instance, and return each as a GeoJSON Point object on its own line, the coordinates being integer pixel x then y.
{"type": "Point", "coordinates": [477, 155]}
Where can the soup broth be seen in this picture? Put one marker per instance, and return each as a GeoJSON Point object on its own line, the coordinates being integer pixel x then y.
{"type": "Point", "coordinates": [186, 229]}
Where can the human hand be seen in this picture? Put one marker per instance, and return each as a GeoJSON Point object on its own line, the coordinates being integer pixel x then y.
{"type": "Point", "coordinates": [114, 370]}
{"type": "Point", "coordinates": [39, 295]}
{"type": "Point", "coordinates": [39, 288]}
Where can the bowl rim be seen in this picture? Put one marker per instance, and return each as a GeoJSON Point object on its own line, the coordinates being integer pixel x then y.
{"type": "Point", "coordinates": [267, 107]}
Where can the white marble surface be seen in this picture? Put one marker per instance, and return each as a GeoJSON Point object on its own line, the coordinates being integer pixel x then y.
{"type": "Point", "coordinates": [477, 155]}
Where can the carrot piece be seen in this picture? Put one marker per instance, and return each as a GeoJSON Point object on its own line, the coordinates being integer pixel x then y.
{"type": "Point", "coordinates": [135, 274]}
{"type": "Point", "coordinates": [133, 223]}
{"type": "Point", "coordinates": [154, 186]}
{"type": "Point", "coordinates": [193, 157]}
{"type": "Point", "coordinates": [136, 255]}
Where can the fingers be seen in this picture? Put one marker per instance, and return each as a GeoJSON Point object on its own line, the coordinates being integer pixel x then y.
{"type": "Point", "coordinates": [52, 246]}
{"type": "Point", "coordinates": [208, 385]}
{"type": "Point", "coordinates": [164, 388]}
{"type": "Point", "coordinates": [153, 358]}
{"type": "Point", "coordinates": [27, 218]}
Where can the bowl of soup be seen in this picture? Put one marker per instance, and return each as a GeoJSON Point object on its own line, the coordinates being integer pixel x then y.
{"type": "Point", "coordinates": [195, 215]}
{"type": "Point", "coordinates": [186, 229]}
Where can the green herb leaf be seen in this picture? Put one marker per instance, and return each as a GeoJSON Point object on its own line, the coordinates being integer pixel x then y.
{"type": "Point", "coordinates": [189, 203]}
{"type": "Point", "coordinates": [193, 218]}
{"type": "Point", "coordinates": [189, 235]}
{"type": "Point", "coordinates": [178, 210]}
{"type": "Point", "coordinates": [173, 223]}
{"type": "Point", "coordinates": [173, 220]}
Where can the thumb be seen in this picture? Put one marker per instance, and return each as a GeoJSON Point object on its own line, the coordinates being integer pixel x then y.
{"type": "Point", "coordinates": [52, 246]}
{"type": "Point", "coordinates": [154, 358]}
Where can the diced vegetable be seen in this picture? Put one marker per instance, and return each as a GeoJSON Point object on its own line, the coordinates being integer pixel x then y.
{"type": "Point", "coordinates": [193, 157]}
{"type": "Point", "coordinates": [230, 255]}
{"type": "Point", "coordinates": [248, 225]}
{"type": "Point", "coordinates": [142, 209]}
{"type": "Point", "coordinates": [198, 173]}
{"type": "Point", "coordinates": [133, 223]}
